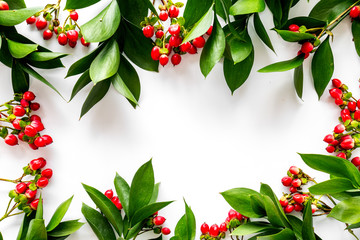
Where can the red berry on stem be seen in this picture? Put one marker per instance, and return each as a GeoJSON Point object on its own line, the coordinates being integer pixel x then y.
{"type": "Point", "coordinates": [185, 47]}
{"type": "Point", "coordinates": [11, 140]}
{"type": "Point", "coordinates": [306, 55]}
{"type": "Point", "coordinates": [109, 194]}
{"type": "Point", "coordinates": [72, 35]}
{"type": "Point", "coordinates": [47, 173]}
{"type": "Point", "coordinates": [232, 214]}
{"type": "Point", "coordinates": [159, 33]}
{"type": "Point", "coordinates": [286, 181]}
{"type": "Point", "coordinates": [74, 15]}
{"type": "Point", "coordinates": [330, 149]}
{"type": "Point", "coordinates": [340, 128]}
{"type": "Point", "coordinates": [289, 208]}
{"type": "Point", "coordinates": [33, 146]}
{"type": "Point", "coordinates": [176, 59]}
{"type": "Point", "coordinates": [72, 44]}
{"type": "Point", "coordinates": [159, 220]}
{"type": "Point", "coordinates": [164, 59]}
{"type": "Point", "coordinates": [214, 230]}
{"type": "Point", "coordinates": [296, 183]}
{"type": "Point", "coordinates": [209, 31]}
{"type": "Point", "coordinates": [223, 227]}
{"type": "Point", "coordinates": [35, 118]}
{"type": "Point", "coordinates": [43, 162]}
{"type": "Point", "coordinates": [148, 31]}
{"type": "Point", "coordinates": [30, 194]}
{"type": "Point", "coordinates": [48, 139]}
{"type": "Point", "coordinates": [294, 170]}
{"type": "Point", "coordinates": [356, 161]}
{"type": "Point", "coordinates": [199, 42]}
{"type": "Point", "coordinates": [357, 115]}
{"type": "Point", "coordinates": [293, 189]}
{"type": "Point", "coordinates": [299, 198]}
{"type": "Point", "coordinates": [39, 142]}
{"type": "Point", "coordinates": [173, 11]}
{"type": "Point", "coordinates": [21, 187]}
{"type": "Point", "coordinates": [34, 106]}
{"type": "Point", "coordinates": [354, 12]}
{"type": "Point", "coordinates": [30, 131]}
{"type": "Point", "coordinates": [175, 41]}
{"type": "Point", "coordinates": [336, 83]}
{"type": "Point", "coordinates": [155, 53]}
{"type": "Point", "coordinates": [42, 182]}
{"type": "Point", "coordinates": [307, 47]}
{"type": "Point", "coordinates": [34, 204]}
{"type": "Point", "coordinates": [294, 28]}
{"type": "Point", "coordinates": [83, 42]}
{"type": "Point", "coordinates": [283, 201]}
{"type": "Point", "coordinates": [239, 216]}
{"type": "Point", "coordinates": [47, 34]}
{"type": "Point", "coordinates": [21, 135]}
{"type": "Point", "coordinates": [41, 23]}
{"type": "Point", "coordinates": [163, 15]}
{"type": "Point", "coordinates": [339, 101]}
{"type": "Point", "coordinates": [341, 155]}
{"type": "Point", "coordinates": [165, 231]}
{"type": "Point", "coordinates": [16, 124]}
{"type": "Point", "coordinates": [24, 103]}
{"type": "Point", "coordinates": [335, 93]}
{"type": "Point", "coordinates": [352, 106]}
{"type": "Point", "coordinates": [169, 48]}
{"type": "Point", "coordinates": [192, 49]}
{"type": "Point", "coordinates": [19, 111]}
{"type": "Point", "coordinates": [37, 125]}
{"type": "Point", "coordinates": [116, 202]}
{"type": "Point", "coordinates": [313, 208]}
{"type": "Point", "coordinates": [298, 207]}
{"type": "Point", "coordinates": [35, 164]}
{"type": "Point", "coordinates": [204, 228]}
{"type": "Point", "coordinates": [347, 144]}
{"type": "Point", "coordinates": [329, 138]}
{"type": "Point", "coordinates": [174, 29]}
{"type": "Point", "coordinates": [62, 39]}
{"type": "Point", "coordinates": [4, 5]}
{"type": "Point", "coordinates": [31, 20]}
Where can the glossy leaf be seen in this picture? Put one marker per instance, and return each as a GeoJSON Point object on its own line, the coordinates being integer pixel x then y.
{"type": "Point", "coordinates": [155, 193]}
{"type": "Point", "coordinates": [283, 66]}
{"type": "Point", "coordinates": [147, 211]}
{"type": "Point", "coordinates": [274, 215]}
{"type": "Point", "coordinates": [195, 10]}
{"type": "Point", "coordinates": [25, 226]}
{"type": "Point", "coordinates": [345, 195]}
{"type": "Point", "coordinates": [98, 223]}
{"type": "Point", "coordinates": [322, 67]}
{"type": "Point", "coordinates": [213, 50]}
{"type": "Point", "coordinates": [142, 187]}
{"type": "Point", "coordinates": [299, 80]}
{"type": "Point", "coordinates": [134, 11]}
{"type": "Point", "coordinates": [200, 26]}
{"type": "Point", "coordinates": [261, 32]}
{"type": "Point", "coordinates": [222, 8]}
{"type": "Point", "coordinates": [237, 74]}
{"type": "Point", "coordinates": [332, 186]}
{"type": "Point", "coordinates": [65, 228]}
{"type": "Point", "coordinates": [130, 78]}
{"type": "Point", "coordinates": [252, 227]}
{"type": "Point", "coordinates": [239, 199]}
{"type": "Point", "coordinates": [307, 228]}
{"type": "Point", "coordinates": [286, 234]}
{"type": "Point", "coordinates": [356, 35]}
{"type": "Point", "coordinates": [37, 230]}
{"type": "Point", "coordinates": [80, 84]}
{"type": "Point", "coordinates": [40, 209]}
{"type": "Point", "coordinates": [51, 64]}
{"type": "Point", "coordinates": [354, 226]}
{"type": "Point", "coordinates": [104, 25]}
{"type": "Point", "coordinates": [5, 55]}
{"type": "Point", "coordinates": [123, 192]}
{"type": "Point", "coordinates": [138, 48]}
{"type": "Point", "coordinates": [121, 87]}
{"type": "Point", "coordinates": [59, 215]}
{"type": "Point", "coordinates": [16, 4]}
{"type": "Point", "coordinates": [290, 36]}
{"type": "Point", "coordinates": [1, 237]}
{"type": "Point", "coordinates": [106, 207]}
{"type": "Point", "coordinates": [14, 17]}
{"type": "Point", "coordinates": [20, 50]}
{"type": "Point", "coordinates": [328, 10]}
{"type": "Point", "coordinates": [20, 79]}
{"type": "Point", "coordinates": [75, 4]}
{"type": "Point", "coordinates": [45, 56]}
{"type": "Point", "coordinates": [296, 225]}
{"type": "Point", "coordinates": [191, 222]}
{"type": "Point", "coordinates": [242, 7]}
{"type": "Point", "coordinates": [347, 211]}
{"type": "Point", "coordinates": [336, 166]}
{"type": "Point", "coordinates": [134, 231]}
{"type": "Point", "coordinates": [276, 10]}
{"type": "Point", "coordinates": [306, 21]}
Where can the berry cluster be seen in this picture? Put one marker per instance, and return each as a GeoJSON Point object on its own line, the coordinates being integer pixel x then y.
{"type": "Point", "coordinates": [171, 40]}
{"type": "Point", "coordinates": [4, 5]}
{"type": "Point", "coordinates": [115, 199]}
{"type": "Point", "coordinates": [66, 34]}
{"type": "Point", "coordinates": [25, 126]}
{"type": "Point", "coordinates": [306, 46]}
{"type": "Point", "coordinates": [233, 220]}
{"type": "Point", "coordinates": [296, 199]}
{"type": "Point", "coordinates": [354, 12]}
{"type": "Point", "coordinates": [25, 192]}
{"type": "Point", "coordinates": [345, 137]}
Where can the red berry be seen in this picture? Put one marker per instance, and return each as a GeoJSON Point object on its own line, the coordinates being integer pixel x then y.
{"type": "Point", "coordinates": [39, 142]}
{"type": "Point", "coordinates": [30, 131]}
{"type": "Point", "coordinates": [339, 101]}
{"type": "Point", "coordinates": [58, 30]}
{"type": "Point", "coordinates": [159, 33]}
{"type": "Point", "coordinates": [209, 31]}
{"type": "Point", "coordinates": [173, 11]}
{"type": "Point", "coordinates": [347, 144]}
{"type": "Point", "coordinates": [330, 149]}
{"type": "Point", "coordinates": [296, 183]}
{"type": "Point", "coordinates": [155, 53]}
{"type": "Point", "coordinates": [24, 103]}
{"type": "Point", "coordinates": [357, 115]}
{"type": "Point", "coordinates": [35, 117]}
{"type": "Point", "coordinates": [227, 220]}
{"type": "Point", "coordinates": [42, 182]}
{"type": "Point", "coordinates": [185, 47]}
{"type": "Point", "coordinates": [307, 47]}
{"type": "Point", "coordinates": [16, 124]}
{"type": "Point", "coordinates": [328, 138]}
{"type": "Point", "coordinates": [34, 204]}
{"type": "Point", "coordinates": [33, 146]}
{"type": "Point", "coordinates": [72, 35]}
{"type": "Point", "coordinates": [298, 207]}
{"type": "Point", "coordinates": [283, 201]}
{"type": "Point", "coordinates": [294, 28]}
{"type": "Point", "coordinates": [169, 48]}
{"type": "Point", "coordinates": [74, 15]}
{"type": "Point", "coordinates": [35, 164]}
{"type": "Point", "coordinates": [335, 143]}
{"type": "Point", "coordinates": [30, 194]}
{"type": "Point", "coordinates": [313, 208]}
{"type": "Point", "coordinates": [294, 170]}
{"type": "Point", "coordinates": [37, 125]}
{"type": "Point", "coordinates": [341, 155]}
{"type": "Point", "coordinates": [48, 139]}
{"type": "Point", "coordinates": [109, 194]}
{"type": "Point", "coordinates": [174, 29]}
{"type": "Point", "coordinates": [336, 83]}
{"type": "Point", "coordinates": [354, 12]}
{"type": "Point", "coordinates": [164, 59]}
{"type": "Point", "coordinates": [47, 34]}
{"type": "Point", "coordinates": [34, 106]}
{"type": "Point", "coordinates": [72, 44]}
{"type": "Point", "coordinates": [335, 93]}
{"type": "Point", "coordinates": [41, 23]}
{"type": "Point", "coordinates": [356, 161]}
{"type": "Point", "coordinates": [117, 202]}
{"type": "Point", "coordinates": [289, 208]}
{"type": "Point", "coordinates": [192, 49]}
{"type": "Point", "coordinates": [19, 111]}
{"type": "Point", "coordinates": [204, 228]}
{"type": "Point", "coordinates": [299, 198]}
{"type": "Point", "coordinates": [11, 140]}
{"type": "Point", "coordinates": [239, 216]}
{"type": "Point", "coordinates": [4, 5]}
{"type": "Point", "coordinates": [21, 135]}
{"type": "Point", "coordinates": [345, 112]}
{"type": "Point", "coordinates": [43, 162]}
{"type": "Point", "coordinates": [47, 173]}
{"type": "Point", "coordinates": [306, 55]}
{"type": "Point", "coordinates": [165, 231]}
{"type": "Point", "coordinates": [199, 42]}
{"type": "Point", "coordinates": [176, 59]}
{"type": "Point", "coordinates": [21, 187]}
{"type": "Point", "coordinates": [293, 189]}
{"type": "Point", "coordinates": [340, 128]}
{"type": "Point", "coordinates": [352, 106]}
{"type": "Point", "coordinates": [232, 214]}
{"type": "Point", "coordinates": [286, 181]}
{"type": "Point", "coordinates": [83, 42]}
{"type": "Point", "coordinates": [163, 15]}
{"type": "Point", "coordinates": [223, 227]}
{"type": "Point", "coordinates": [62, 39]}
{"type": "Point", "coordinates": [214, 230]}
{"type": "Point", "coordinates": [31, 20]}
{"type": "Point", "coordinates": [148, 31]}
{"type": "Point", "coordinates": [175, 41]}
{"type": "Point", "coordinates": [159, 220]}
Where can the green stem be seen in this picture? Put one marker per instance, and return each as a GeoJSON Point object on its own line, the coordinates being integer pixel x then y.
{"type": "Point", "coordinates": [8, 180]}
{"type": "Point", "coordinates": [351, 231]}
{"type": "Point", "coordinates": [8, 206]}
{"type": "Point", "coordinates": [11, 210]}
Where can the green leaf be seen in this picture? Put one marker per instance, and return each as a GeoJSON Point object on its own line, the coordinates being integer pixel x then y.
{"type": "Point", "coordinates": [191, 222]}
{"type": "Point", "coordinates": [51, 64]}
{"type": "Point", "coordinates": [195, 10]}
{"type": "Point", "coordinates": [121, 87]}
{"type": "Point", "coordinates": [138, 48]}
{"type": "Point", "coordinates": [296, 225]}
{"type": "Point", "coordinates": [322, 67]}
{"type": "Point", "coordinates": [261, 32]}
{"type": "Point", "coordinates": [65, 228]}
{"type": "Point", "coordinates": [237, 74]}
{"type": "Point", "coordinates": [252, 227]}
{"type": "Point", "coordinates": [213, 50]}
{"type": "Point", "coordinates": [25, 226]}
{"type": "Point", "coordinates": [345, 195]}
{"type": "Point", "coordinates": [333, 165]}
{"type": "Point", "coordinates": [142, 187]}
{"type": "Point", "coordinates": [58, 215]}
{"type": "Point", "coordinates": [283, 66]}
{"type": "Point", "coordinates": [286, 234]}
{"type": "Point", "coordinates": [306, 21]}
{"type": "Point", "coordinates": [75, 4]}
{"type": "Point", "coordinates": [106, 64]}
{"type": "Point", "coordinates": [5, 55]}
{"type": "Point", "coordinates": [40, 209]}
{"type": "Point", "coordinates": [147, 211]}
{"type": "Point", "coordinates": [222, 8]}
{"type": "Point", "coordinates": [14, 17]}
{"type": "Point", "coordinates": [200, 26]}
{"type": "Point", "coordinates": [45, 56]}
{"type": "Point", "coordinates": [353, 226]}
{"type": "Point", "coordinates": [123, 192]}
{"type": "Point", "coordinates": [275, 214]}
{"type": "Point", "coordinates": [332, 186]}
{"type": "Point", "coordinates": [20, 50]}
{"type": "Point", "coordinates": [347, 211]}
{"type": "Point", "coordinates": [1, 237]}
{"type": "Point", "coordinates": [16, 4]}
{"type": "Point", "coordinates": [155, 193]}
{"type": "Point", "coordinates": [106, 207]}
{"type": "Point", "coordinates": [98, 223]}
{"type": "Point", "coordinates": [307, 228]}
{"type": "Point", "coordinates": [135, 11]}
{"type": "Point", "coordinates": [20, 79]}
{"type": "Point", "coordinates": [290, 36]}
{"type": "Point", "coordinates": [37, 230]}
{"type": "Point", "coordinates": [81, 83]}
{"type": "Point", "coordinates": [242, 7]}
{"type": "Point", "coordinates": [239, 199]}
{"type": "Point", "coordinates": [104, 25]}
{"type": "Point", "coordinates": [134, 231]}
{"type": "Point", "coordinates": [299, 80]}
{"type": "Point", "coordinates": [328, 10]}
{"type": "Point", "coordinates": [356, 35]}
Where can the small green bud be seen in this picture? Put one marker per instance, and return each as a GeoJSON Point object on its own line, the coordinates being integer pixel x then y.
{"type": "Point", "coordinates": [12, 194]}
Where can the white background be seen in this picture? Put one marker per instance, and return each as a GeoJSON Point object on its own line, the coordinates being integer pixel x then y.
{"type": "Point", "coordinates": [202, 139]}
